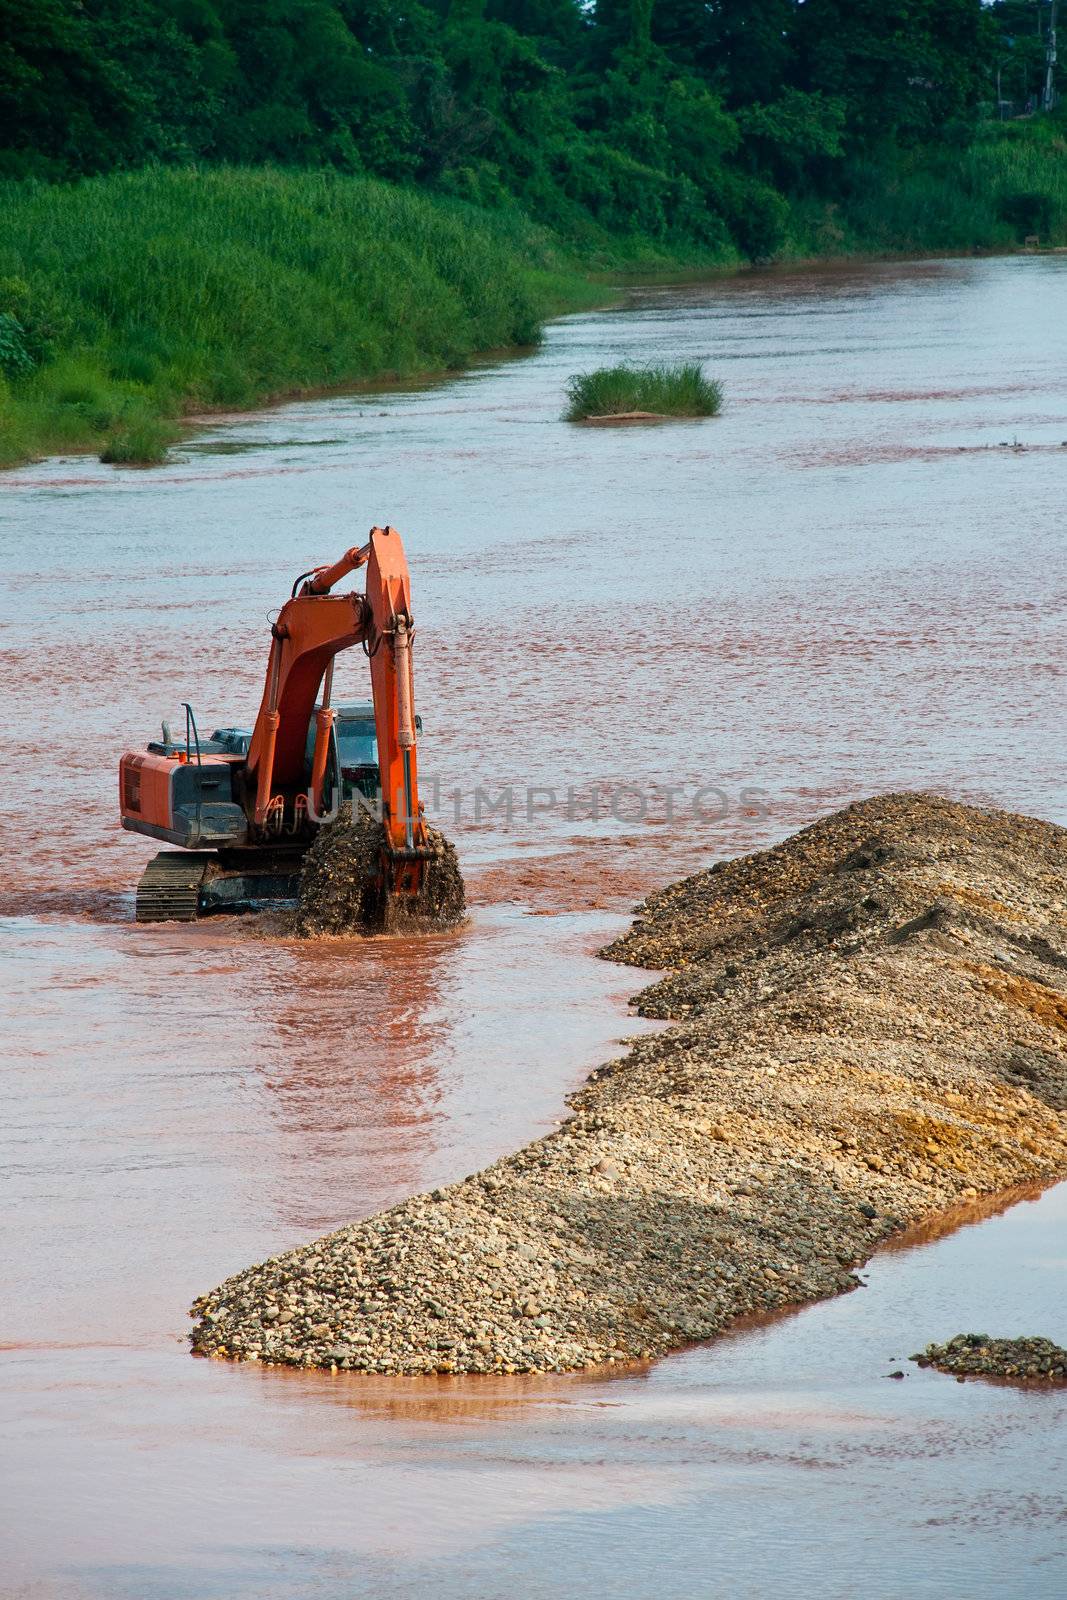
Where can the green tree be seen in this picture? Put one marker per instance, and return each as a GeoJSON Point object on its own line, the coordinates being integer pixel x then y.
{"type": "Point", "coordinates": [902, 69]}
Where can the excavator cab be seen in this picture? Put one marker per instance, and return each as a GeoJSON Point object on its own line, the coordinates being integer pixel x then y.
{"type": "Point", "coordinates": [353, 752]}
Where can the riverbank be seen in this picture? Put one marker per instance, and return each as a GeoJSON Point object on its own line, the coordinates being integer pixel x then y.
{"type": "Point", "coordinates": [869, 1029]}
{"type": "Point", "coordinates": [130, 301]}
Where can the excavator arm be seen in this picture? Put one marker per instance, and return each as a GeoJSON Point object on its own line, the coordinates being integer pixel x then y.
{"type": "Point", "coordinates": [312, 628]}
{"type": "Point", "coordinates": [392, 632]}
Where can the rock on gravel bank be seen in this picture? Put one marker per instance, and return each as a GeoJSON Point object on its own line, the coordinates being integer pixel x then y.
{"type": "Point", "coordinates": [976, 1355]}
{"type": "Point", "coordinates": [871, 1022]}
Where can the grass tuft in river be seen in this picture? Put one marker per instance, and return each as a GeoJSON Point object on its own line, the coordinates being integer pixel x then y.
{"type": "Point", "coordinates": [679, 390]}
{"type": "Point", "coordinates": [142, 445]}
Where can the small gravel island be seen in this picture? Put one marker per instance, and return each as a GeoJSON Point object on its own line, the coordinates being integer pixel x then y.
{"type": "Point", "coordinates": [976, 1355]}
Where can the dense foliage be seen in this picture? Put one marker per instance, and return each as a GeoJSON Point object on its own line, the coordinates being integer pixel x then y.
{"type": "Point", "coordinates": [694, 120]}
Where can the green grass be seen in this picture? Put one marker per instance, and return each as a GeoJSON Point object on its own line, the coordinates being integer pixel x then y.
{"type": "Point", "coordinates": [143, 444]}
{"type": "Point", "coordinates": [132, 299]}
{"type": "Point", "coordinates": [681, 390]}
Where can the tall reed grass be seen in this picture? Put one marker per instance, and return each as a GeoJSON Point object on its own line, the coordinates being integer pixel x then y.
{"type": "Point", "coordinates": [140, 296]}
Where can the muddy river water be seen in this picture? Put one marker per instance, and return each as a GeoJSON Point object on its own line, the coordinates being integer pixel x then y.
{"type": "Point", "coordinates": [705, 633]}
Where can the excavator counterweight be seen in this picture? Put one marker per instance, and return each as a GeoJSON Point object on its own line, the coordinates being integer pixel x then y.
{"type": "Point", "coordinates": [243, 806]}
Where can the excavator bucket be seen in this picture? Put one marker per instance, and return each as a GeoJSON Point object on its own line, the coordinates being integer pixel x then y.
{"type": "Point", "coordinates": [349, 882]}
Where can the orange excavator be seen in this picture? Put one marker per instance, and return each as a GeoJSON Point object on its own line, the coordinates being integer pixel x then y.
{"type": "Point", "coordinates": [244, 805]}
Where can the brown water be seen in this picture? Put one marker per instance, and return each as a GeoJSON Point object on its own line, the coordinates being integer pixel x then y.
{"type": "Point", "coordinates": [847, 583]}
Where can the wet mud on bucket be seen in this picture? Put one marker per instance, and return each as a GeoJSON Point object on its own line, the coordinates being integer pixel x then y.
{"type": "Point", "coordinates": [342, 888]}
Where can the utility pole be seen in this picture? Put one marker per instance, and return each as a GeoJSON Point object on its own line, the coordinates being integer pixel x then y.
{"type": "Point", "coordinates": [1048, 96]}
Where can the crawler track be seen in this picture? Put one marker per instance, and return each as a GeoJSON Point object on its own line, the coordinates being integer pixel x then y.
{"type": "Point", "coordinates": [169, 890]}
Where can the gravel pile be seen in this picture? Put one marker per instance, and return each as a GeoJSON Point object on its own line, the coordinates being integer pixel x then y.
{"type": "Point", "coordinates": [976, 1355]}
{"type": "Point", "coordinates": [871, 1023]}
{"type": "Point", "coordinates": [341, 886]}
